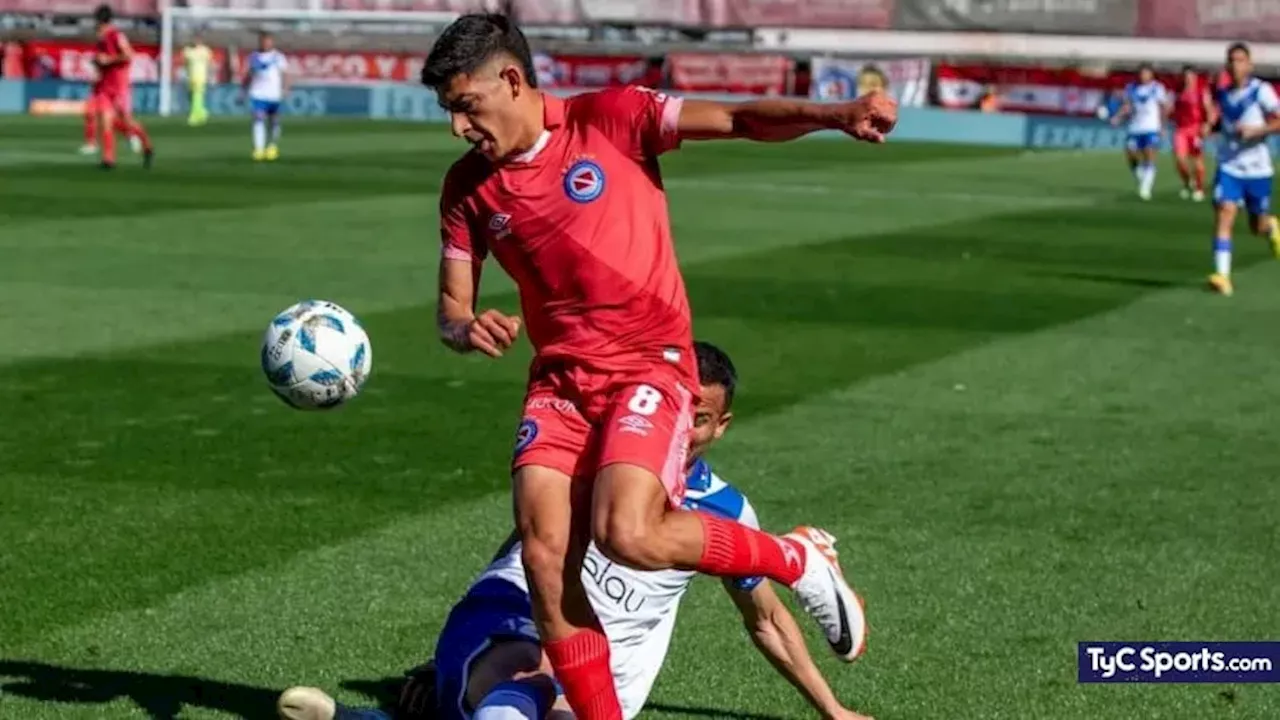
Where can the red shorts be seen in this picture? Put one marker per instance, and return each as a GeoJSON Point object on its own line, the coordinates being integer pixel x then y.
{"type": "Point", "coordinates": [578, 421]}
{"type": "Point", "coordinates": [112, 98]}
{"type": "Point", "coordinates": [1187, 142]}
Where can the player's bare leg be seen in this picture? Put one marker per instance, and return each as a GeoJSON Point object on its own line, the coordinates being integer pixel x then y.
{"type": "Point", "coordinates": [1147, 173]}
{"type": "Point", "coordinates": [107, 139]}
{"type": "Point", "coordinates": [1265, 226]}
{"type": "Point", "coordinates": [1184, 173]}
{"type": "Point", "coordinates": [632, 525]}
{"type": "Point", "coordinates": [90, 146]}
{"type": "Point", "coordinates": [1197, 192]}
{"type": "Point", "coordinates": [273, 136]}
{"type": "Point", "coordinates": [135, 131]}
{"type": "Point", "coordinates": [552, 517]}
{"type": "Point", "coordinates": [1224, 221]}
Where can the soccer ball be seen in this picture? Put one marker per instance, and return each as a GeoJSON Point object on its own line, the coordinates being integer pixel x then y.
{"type": "Point", "coordinates": [316, 355]}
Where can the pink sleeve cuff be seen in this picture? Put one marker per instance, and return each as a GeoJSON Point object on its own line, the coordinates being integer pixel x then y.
{"type": "Point", "coordinates": [669, 127]}
{"type": "Point", "coordinates": [453, 252]}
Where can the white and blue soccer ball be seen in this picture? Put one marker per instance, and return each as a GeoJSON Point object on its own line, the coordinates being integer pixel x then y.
{"type": "Point", "coordinates": [316, 355]}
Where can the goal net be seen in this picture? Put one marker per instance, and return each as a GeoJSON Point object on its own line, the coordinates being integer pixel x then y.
{"type": "Point", "coordinates": [313, 26]}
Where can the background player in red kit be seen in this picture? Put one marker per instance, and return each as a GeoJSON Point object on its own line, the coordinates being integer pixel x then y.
{"type": "Point", "coordinates": [1189, 115]}
{"type": "Point", "coordinates": [568, 197]}
{"type": "Point", "coordinates": [112, 97]}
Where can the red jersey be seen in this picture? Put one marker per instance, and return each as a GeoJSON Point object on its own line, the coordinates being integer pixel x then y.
{"type": "Point", "coordinates": [580, 223]}
{"type": "Point", "coordinates": [1188, 106]}
{"type": "Point", "coordinates": [112, 77]}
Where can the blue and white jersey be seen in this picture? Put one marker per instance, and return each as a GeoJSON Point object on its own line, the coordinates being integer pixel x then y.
{"type": "Point", "coordinates": [267, 81]}
{"type": "Point", "coordinates": [1248, 106]}
{"type": "Point", "coordinates": [1147, 104]}
{"type": "Point", "coordinates": [638, 609]}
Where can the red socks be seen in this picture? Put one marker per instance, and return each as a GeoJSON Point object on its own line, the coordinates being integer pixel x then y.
{"type": "Point", "coordinates": [731, 549]}
{"type": "Point", "coordinates": [581, 664]}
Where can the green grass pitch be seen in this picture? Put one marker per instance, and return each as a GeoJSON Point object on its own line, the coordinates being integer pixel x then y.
{"type": "Point", "coordinates": [992, 374]}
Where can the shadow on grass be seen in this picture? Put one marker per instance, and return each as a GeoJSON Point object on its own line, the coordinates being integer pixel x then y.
{"type": "Point", "coordinates": [161, 697]}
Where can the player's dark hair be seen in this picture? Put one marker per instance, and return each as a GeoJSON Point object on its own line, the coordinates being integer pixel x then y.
{"type": "Point", "coordinates": [1242, 47]}
{"type": "Point", "coordinates": [1188, 68]}
{"type": "Point", "coordinates": [715, 368]}
{"type": "Point", "coordinates": [473, 40]}
{"type": "Point", "coordinates": [1146, 66]}
{"type": "Point", "coordinates": [103, 14]}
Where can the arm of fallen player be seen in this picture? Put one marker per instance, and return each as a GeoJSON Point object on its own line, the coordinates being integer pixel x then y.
{"type": "Point", "coordinates": [869, 118]}
{"type": "Point", "coordinates": [777, 636]}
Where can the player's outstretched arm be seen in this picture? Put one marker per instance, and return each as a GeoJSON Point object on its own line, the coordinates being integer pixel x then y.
{"type": "Point", "coordinates": [777, 636]}
{"type": "Point", "coordinates": [869, 118]}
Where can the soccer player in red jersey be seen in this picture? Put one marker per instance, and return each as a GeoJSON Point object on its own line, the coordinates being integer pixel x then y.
{"type": "Point", "coordinates": [1190, 112]}
{"type": "Point", "coordinates": [112, 96]}
{"type": "Point", "coordinates": [567, 195]}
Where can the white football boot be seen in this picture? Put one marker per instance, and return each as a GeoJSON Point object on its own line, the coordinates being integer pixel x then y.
{"type": "Point", "coordinates": [823, 593]}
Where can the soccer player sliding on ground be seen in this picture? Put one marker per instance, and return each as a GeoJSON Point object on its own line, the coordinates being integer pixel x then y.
{"type": "Point", "coordinates": [112, 98]}
{"type": "Point", "coordinates": [568, 196]}
{"type": "Point", "coordinates": [1247, 111]}
{"type": "Point", "coordinates": [489, 664]}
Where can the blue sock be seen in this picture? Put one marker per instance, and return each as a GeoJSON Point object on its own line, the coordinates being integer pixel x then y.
{"type": "Point", "coordinates": [353, 713]}
{"type": "Point", "coordinates": [513, 701]}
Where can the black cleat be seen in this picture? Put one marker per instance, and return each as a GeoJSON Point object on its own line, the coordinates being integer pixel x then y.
{"type": "Point", "coordinates": [147, 156]}
{"type": "Point", "coordinates": [107, 166]}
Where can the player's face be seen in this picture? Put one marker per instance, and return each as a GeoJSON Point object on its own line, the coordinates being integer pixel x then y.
{"type": "Point", "coordinates": [1188, 78]}
{"type": "Point", "coordinates": [1146, 75]}
{"type": "Point", "coordinates": [483, 110]}
{"type": "Point", "coordinates": [1240, 65]}
{"type": "Point", "coordinates": [266, 42]}
{"type": "Point", "coordinates": [710, 419]}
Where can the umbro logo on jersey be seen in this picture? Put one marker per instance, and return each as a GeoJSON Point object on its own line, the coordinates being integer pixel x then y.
{"type": "Point", "coordinates": [636, 425]}
{"type": "Point", "coordinates": [500, 225]}
{"type": "Point", "coordinates": [584, 181]}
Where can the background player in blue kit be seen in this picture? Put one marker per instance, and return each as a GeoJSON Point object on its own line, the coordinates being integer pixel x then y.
{"type": "Point", "coordinates": [1247, 110]}
{"type": "Point", "coordinates": [1146, 106]}
{"type": "Point", "coordinates": [489, 664]}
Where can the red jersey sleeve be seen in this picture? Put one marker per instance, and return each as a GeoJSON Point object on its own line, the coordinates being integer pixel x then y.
{"type": "Point", "coordinates": [458, 238]}
{"type": "Point", "coordinates": [639, 121]}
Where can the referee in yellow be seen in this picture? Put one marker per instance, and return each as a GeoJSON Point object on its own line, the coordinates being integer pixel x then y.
{"type": "Point", "coordinates": [197, 57]}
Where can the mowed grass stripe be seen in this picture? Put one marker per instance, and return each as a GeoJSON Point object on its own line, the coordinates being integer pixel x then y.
{"type": "Point", "coordinates": [372, 255]}
{"type": "Point", "coordinates": [992, 521]}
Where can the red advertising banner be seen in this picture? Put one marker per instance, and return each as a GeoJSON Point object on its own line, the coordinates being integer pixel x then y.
{"type": "Point", "coordinates": [1032, 89]}
{"type": "Point", "coordinates": [594, 71]}
{"type": "Point", "coordinates": [873, 14]}
{"type": "Point", "coordinates": [754, 74]}
{"type": "Point", "coordinates": [71, 60]}
{"type": "Point", "coordinates": [1210, 19]}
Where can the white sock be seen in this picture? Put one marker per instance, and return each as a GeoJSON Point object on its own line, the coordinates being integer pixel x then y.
{"type": "Point", "coordinates": [259, 135]}
{"type": "Point", "coordinates": [1146, 176]}
{"type": "Point", "coordinates": [1222, 256]}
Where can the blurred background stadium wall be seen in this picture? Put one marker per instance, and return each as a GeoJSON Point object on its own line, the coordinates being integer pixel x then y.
{"type": "Point", "coordinates": [1046, 68]}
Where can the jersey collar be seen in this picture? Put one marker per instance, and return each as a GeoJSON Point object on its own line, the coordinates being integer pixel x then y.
{"type": "Point", "coordinates": [552, 111]}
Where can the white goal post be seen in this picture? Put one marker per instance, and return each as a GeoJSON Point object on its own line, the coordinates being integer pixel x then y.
{"type": "Point", "coordinates": [305, 11]}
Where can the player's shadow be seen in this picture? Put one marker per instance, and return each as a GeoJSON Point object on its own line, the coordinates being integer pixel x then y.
{"type": "Point", "coordinates": [161, 697]}
{"type": "Point", "coordinates": [384, 692]}
{"type": "Point", "coordinates": [1126, 280]}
